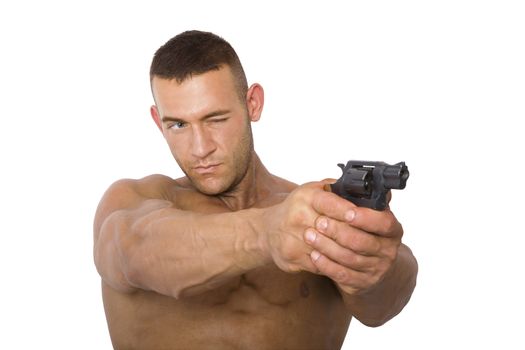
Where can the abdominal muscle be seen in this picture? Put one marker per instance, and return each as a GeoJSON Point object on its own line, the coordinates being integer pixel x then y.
{"type": "Point", "coordinates": [264, 309]}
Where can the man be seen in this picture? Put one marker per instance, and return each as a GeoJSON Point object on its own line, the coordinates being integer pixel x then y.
{"type": "Point", "coordinates": [231, 256]}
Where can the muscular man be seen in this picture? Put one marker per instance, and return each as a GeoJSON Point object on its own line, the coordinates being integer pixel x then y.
{"type": "Point", "coordinates": [231, 256]}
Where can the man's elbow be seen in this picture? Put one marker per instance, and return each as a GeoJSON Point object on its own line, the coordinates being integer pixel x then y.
{"type": "Point", "coordinates": [375, 322]}
{"type": "Point", "coordinates": [381, 316]}
{"type": "Point", "coordinates": [108, 257]}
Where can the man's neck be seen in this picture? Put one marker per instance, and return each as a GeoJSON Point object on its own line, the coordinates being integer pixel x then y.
{"type": "Point", "coordinates": [254, 186]}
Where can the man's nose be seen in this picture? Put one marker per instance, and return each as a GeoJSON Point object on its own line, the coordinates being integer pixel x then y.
{"type": "Point", "coordinates": [202, 143]}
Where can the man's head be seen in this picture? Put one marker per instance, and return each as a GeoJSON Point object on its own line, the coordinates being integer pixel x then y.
{"type": "Point", "coordinates": [194, 52]}
{"type": "Point", "coordinates": [204, 108]}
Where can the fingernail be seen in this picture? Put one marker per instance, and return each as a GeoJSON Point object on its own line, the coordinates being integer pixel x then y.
{"type": "Point", "coordinates": [310, 236]}
{"type": "Point", "coordinates": [350, 215]}
{"type": "Point", "coordinates": [315, 255]}
{"type": "Point", "coordinates": [322, 224]}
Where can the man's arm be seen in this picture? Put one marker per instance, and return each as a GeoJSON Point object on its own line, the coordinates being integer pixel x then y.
{"type": "Point", "coordinates": [363, 254]}
{"type": "Point", "coordinates": [142, 242]}
{"type": "Point", "coordinates": [386, 299]}
{"type": "Point", "coordinates": [146, 243]}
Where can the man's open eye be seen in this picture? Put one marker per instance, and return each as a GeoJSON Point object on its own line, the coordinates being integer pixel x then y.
{"type": "Point", "coordinates": [177, 125]}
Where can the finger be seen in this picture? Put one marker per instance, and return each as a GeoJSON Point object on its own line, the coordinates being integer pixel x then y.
{"type": "Point", "coordinates": [294, 256]}
{"type": "Point", "coordinates": [339, 254]}
{"type": "Point", "coordinates": [305, 264]}
{"type": "Point", "coordinates": [338, 273]}
{"type": "Point", "coordinates": [382, 223]}
{"type": "Point", "coordinates": [348, 236]}
{"type": "Point", "coordinates": [327, 182]}
{"type": "Point", "coordinates": [331, 205]}
{"type": "Point", "coordinates": [302, 262]}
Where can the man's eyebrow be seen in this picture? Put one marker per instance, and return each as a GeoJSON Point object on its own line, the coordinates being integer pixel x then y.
{"type": "Point", "coordinates": [167, 118]}
{"type": "Point", "coordinates": [219, 112]}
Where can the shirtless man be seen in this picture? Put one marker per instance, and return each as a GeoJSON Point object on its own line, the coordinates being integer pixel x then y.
{"type": "Point", "coordinates": [231, 256]}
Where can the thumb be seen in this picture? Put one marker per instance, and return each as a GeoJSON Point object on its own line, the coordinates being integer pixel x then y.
{"type": "Point", "coordinates": [326, 184]}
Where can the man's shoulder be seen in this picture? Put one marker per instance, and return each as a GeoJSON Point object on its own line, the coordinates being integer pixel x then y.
{"type": "Point", "coordinates": [129, 193]}
{"type": "Point", "coordinates": [151, 186]}
{"type": "Point", "coordinates": [283, 185]}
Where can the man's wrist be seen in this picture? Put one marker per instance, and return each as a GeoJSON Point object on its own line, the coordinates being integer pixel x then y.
{"type": "Point", "coordinates": [256, 234]}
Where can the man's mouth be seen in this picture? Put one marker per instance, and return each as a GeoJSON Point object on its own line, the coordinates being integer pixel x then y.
{"type": "Point", "coordinates": [204, 169]}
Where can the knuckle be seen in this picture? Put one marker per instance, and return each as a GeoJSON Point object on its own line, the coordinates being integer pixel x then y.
{"type": "Point", "coordinates": [297, 216]}
{"type": "Point", "coordinates": [333, 231]}
{"type": "Point", "coordinates": [300, 212]}
{"type": "Point", "coordinates": [323, 224]}
{"type": "Point", "coordinates": [292, 268]}
{"type": "Point", "coordinates": [391, 254]}
{"type": "Point", "coordinates": [357, 243]}
{"type": "Point", "coordinates": [374, 245]}
{"type": "Point", "coordinates": [389, 223]}
{"type": "Point", "coordinates": [348, 240]}
{"type": "Point", "coordinates": [364, 244]}
{"type": "Point", "coordinates": [341, 276]}
{"type": "Point", "coordinates": [352, 259]}
{"type": "Point", "coordinates": [376, 278]}
{"type": "Point", "coordinates": [387, 251]}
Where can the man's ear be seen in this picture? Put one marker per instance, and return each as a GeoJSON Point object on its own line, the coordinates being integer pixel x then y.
{"type": "Point", "coordinates": [155, 115]}
{"type": "Point", "coordinates": [255, 101]}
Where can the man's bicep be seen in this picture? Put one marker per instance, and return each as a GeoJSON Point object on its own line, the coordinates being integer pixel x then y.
{"type": "Point", "coordinates": [121, 207]}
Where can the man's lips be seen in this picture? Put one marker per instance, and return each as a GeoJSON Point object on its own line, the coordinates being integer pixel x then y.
{"type": "Point", "coordinates": [206, 169]}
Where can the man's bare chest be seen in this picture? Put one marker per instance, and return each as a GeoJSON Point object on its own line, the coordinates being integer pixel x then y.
{"type": "Point", "coordinates": [264, 287]}
{"type": "Point", "coordinates": [253, 292]}
{"type": "Point", "coordinates": [265, 306]}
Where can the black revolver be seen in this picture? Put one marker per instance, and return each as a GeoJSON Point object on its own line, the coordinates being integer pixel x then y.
{"type": "Point", "coordinates": [366, 184]}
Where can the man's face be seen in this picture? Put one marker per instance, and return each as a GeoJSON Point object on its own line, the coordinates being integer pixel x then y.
{"type": "Point", "coordinates": [207, 128]}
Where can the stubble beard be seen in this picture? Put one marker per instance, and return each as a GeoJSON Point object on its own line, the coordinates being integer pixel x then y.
{"type": "Point", "coordinates": [236, 168]}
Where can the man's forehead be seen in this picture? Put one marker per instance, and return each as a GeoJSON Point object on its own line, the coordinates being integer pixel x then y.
{"type": "Point", "coordinates": [196, 94]}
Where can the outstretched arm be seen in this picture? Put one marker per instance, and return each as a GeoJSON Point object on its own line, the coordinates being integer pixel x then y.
{"type": "Point", "coordinates": [143, 242]}
{"type": "Point", "coordinates": [146, 243]}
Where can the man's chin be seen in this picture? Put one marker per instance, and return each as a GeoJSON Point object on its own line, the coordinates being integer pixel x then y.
{"type": "Point", "coordinates": [210, 188]}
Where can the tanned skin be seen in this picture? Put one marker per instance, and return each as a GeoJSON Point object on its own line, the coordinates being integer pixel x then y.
{"type": "Point", "coordinates": [231, 256]}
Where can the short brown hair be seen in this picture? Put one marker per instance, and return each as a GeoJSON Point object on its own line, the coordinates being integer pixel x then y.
{"type": "Point", "coordinates": [195, 52]}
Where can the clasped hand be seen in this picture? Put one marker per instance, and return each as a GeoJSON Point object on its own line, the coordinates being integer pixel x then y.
{"type": "Point", "coordinates": [325, 234]}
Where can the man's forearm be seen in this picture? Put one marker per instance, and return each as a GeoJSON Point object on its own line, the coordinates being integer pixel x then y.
{"type": "Point", "coordinates": [385, 300]}
{"type": "Point", "coordinates": [179, 253]}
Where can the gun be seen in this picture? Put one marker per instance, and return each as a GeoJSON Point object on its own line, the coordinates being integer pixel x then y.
{"type": "Point", "coordinates": [366, 184]}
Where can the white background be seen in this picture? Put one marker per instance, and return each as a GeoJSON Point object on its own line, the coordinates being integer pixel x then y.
{"type": "Point", "coordinates": [437, 84]}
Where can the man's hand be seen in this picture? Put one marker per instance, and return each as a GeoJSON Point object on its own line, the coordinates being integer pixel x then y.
{"type": "Point", "coordinates": [317, 231]}
{"type": "Point", "coordinates": [357, 252]}
{"type": "Point", "coordinates": [287, 223]}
